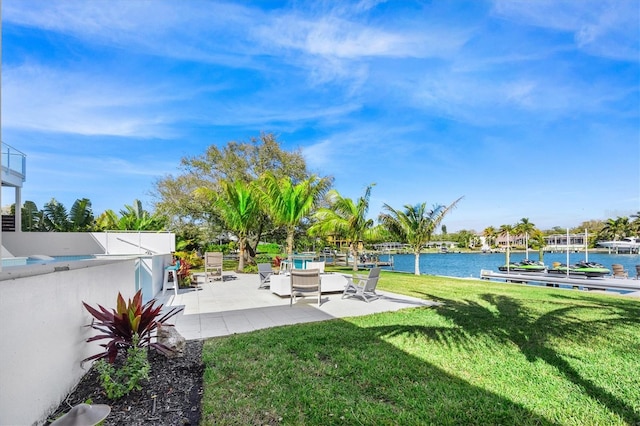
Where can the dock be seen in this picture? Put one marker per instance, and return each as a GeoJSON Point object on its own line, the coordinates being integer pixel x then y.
{"type": "Point", "coordinates": [557, 280]}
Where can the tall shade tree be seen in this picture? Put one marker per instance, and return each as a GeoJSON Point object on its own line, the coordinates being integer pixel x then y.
{"type": "Point", "coordinates": [289, 203]}
{"type": "Point", "coordinates": [346, 218]}
{"type": "Point", "coordinates": [415, 225]}
{"type": "Point", "coordinates": [243, 161]}
{"type": "Point", "coordinates": [238, 206]}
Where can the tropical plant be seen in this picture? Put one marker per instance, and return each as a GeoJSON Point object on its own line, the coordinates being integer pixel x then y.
{"type": "Point", "coordinates": [289, 203]}
{"type": "Point", "coordinates": [79, 218]}
{"type": "Point", "coordinates": [415, 225]}
{"type": "Point", "coordinates": [121, 325]}
{"type": "Point", "coordinates": [346, 218]}
{"type": "Point", "coordinates": [118, 382]}
{"type": "Point", "coordinates": [132, 218]}
{"type": "Point", "coordinates": [32, 218]}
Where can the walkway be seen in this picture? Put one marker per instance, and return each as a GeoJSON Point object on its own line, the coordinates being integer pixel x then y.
{"type": "Point", "coordinates": [236, 305]}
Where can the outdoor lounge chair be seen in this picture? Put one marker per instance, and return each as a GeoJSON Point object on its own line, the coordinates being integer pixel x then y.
{"type": "Point", "coordinates": [637, 272]}
{"type": "Point", "coordinates": [304, 281]}
{"type": "Point", "coordinates": [618, 271]}
{"type": "Point", "coordinates": [213, 265]}
{"type": "Point", "coordinates": [363, 285]}
{"type": "Point", "coordinates": [264, 273]}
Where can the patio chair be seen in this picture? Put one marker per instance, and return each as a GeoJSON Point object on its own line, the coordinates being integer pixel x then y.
{"type": "Point", "coordinates": [264, 274]}
{"type": "Point", "coordinates": [618, 271]}
{"type": "Point", "coordinates": [213, 265]}
{"type": "Point", "coordinates": [637, 272]}
{"type": "Point", "coordinates": [363, 285]}
{"type": "Point", "coordinates": [304, 281]}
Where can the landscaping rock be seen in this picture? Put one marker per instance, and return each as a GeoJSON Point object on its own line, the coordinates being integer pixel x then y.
{"type": "Point", "coordinates": [171, 338]}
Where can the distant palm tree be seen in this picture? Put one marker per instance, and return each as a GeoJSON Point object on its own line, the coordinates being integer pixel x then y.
{"type": "Point", "coordinates": [526, 228]}
{"type": "Point", "coordinates": [347, 218]}
{"type": "Point", "coordinates": [635, 224]}
{"type": "Point", "coordinates": [507, 231]}
{"type": "Point", "coordinates": [415, 225]}
{"type": "Point", "coordinates": [289, 203]}
{"type": "Point", "coordinates": [490, 233]}
{"type": "Point", "coordinates": [616, 229]}
{"type": "Point", "coordinates": [539, 242]}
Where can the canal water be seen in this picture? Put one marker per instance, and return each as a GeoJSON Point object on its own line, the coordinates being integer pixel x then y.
{"type": "Point", "coordinates": [469, 264]}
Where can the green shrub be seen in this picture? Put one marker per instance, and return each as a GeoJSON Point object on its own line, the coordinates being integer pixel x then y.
{"type": "Point", "coordinates": [118, 382]}
{"type": "Point", "coordinates": [270, 248]}
{"type": "Point", "coordinates": [261, 258]}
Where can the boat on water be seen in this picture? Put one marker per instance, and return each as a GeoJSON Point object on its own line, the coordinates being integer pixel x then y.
{"type": "Point", "coordinates": [524, 266]}
{"type": "Point", "coordinates": [625, 244]}
{"type": "Point", "coordinates": [583, 268]}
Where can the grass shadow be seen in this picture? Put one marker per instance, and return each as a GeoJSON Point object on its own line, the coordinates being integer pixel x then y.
{"type": "Point", "coordinates": [505, 320]}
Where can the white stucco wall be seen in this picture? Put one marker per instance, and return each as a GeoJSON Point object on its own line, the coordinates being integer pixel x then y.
{"type": "Point", "coordinates": [86, 243]}
{"type": "Point", "coordinates": [42, 331]}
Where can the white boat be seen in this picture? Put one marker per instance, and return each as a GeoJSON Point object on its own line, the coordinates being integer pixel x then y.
{"type": "Point", "coordinates": [625, 244]}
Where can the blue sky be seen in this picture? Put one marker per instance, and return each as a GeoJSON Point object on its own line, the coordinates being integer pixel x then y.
{"type": "Point", "coordinates": [526, 108]}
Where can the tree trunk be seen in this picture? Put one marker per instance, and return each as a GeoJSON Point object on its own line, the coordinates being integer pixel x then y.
{"type": "Point", "coordinates": [416, 264]}
{"type": "Point", "coordinates": [290, 233]}
{"type": "Point", "coordinates": [354, 250]}
{"type": "Point", "coordinates": [241, 245]}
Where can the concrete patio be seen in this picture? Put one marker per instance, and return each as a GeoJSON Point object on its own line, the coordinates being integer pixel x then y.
{"type": "Point", "coordinates": [236, 305]}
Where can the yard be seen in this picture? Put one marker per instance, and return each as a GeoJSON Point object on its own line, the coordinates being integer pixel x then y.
{"type": "Point", "coordinates": [490, 354]}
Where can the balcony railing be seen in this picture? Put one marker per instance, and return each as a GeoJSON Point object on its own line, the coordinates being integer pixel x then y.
{"type": "Point", "coordinates": [14, 166]}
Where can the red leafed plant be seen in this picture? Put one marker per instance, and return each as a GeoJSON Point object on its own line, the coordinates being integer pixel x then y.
{"type": "Point", "coordinates": [120, 325]}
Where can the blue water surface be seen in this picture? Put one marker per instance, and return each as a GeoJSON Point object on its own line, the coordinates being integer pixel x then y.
{"type": "Point", "coordinates": [470, 264]}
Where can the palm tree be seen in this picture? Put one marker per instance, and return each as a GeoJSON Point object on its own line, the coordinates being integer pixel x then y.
{"type": "Point", "coordinates": [616, 228]}
{"type": "Point", "coordinates": [347, 218]}
{"type": "Point", "coordinates": [538, 240]}
{"type": "Point", "coordinates": [490, 233]}
{"type": "Point", "coordinates": [238, 207]}
{"type": "Point", "coordinates": [526, 228]}
{"type": "Point", "coordinates": [288, 203]}
{"type": "Point", "coordinates": [506, 230]}
{"type": "Point", "coordinates": [415, 225]}
{"type": "Point", "coordinates": [635, 224]}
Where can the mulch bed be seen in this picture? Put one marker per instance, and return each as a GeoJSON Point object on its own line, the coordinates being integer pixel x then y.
{"type": "Point", "coordinates": [172, 395]}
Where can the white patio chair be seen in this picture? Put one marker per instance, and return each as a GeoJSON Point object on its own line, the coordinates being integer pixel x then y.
{"type": "Point", "coordinates": [363, 285]}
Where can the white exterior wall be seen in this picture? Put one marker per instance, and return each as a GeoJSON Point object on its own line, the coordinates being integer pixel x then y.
{"type": "Point", "coordinates": [43, 335]}
{"type": "Point", "coordinates": [86, 243]}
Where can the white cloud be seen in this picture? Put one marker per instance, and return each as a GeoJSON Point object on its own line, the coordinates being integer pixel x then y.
{"type": "Point", "coordinates": [608, 28]}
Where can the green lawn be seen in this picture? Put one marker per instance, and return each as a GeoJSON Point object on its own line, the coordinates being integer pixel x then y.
{"type": "Point", "coordinates": [490, 354]}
